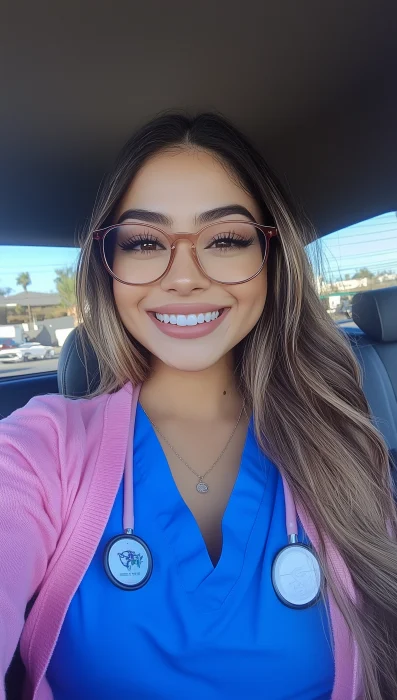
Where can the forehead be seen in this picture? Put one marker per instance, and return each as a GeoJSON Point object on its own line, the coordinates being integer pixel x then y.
{"type": "Point", "coordinates": [184, 183]}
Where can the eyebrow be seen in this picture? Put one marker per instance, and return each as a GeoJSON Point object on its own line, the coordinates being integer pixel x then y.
{"type": "Point", "coordinates": [205, 217]}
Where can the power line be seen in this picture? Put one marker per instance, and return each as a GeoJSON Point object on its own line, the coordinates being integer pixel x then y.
{"type": "Point", "coordinates": [34, 267]}
{"type": "Point", "coordinates": [391, 261]}
{"type": "Point", "coordinates": [375, 240]}
{"type": "Point", "coordinates": [367, 224]}
{"type": "Point", "coordinates": [341, 233]}
{"type": "Point", "coordinates": [354, 267]}
{"type": "Point", "coordinates": [368, 254]}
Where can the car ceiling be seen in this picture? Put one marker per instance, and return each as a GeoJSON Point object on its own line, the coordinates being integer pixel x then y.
{"type": "Point", "coordinates": [312, 84]}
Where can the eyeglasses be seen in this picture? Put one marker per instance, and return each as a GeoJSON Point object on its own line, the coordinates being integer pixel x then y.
{"type": "Point", "coordinates": [228, 252]}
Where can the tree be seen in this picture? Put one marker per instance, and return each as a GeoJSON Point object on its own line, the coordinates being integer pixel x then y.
{"type": "Point", "coordinates": [65, 283]}
{"type": "Point", "coordinates": [363, 272]}
{"type": "Point", "coordinates": [385, 272]}
{"type": "Point", "coordinates": [347, 277]}
{"type": "Point", "coordinates": [4, 291]}
{"type": "Point", "coordinates": [24, 280]}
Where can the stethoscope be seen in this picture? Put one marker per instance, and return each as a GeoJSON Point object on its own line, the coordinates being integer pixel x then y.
{"type": "Point", "coordinates": [296, 573]}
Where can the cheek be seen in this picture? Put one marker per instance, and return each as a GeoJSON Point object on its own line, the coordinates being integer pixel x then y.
{"type": "Point", "coordinates": [252, 297]}
{"type": "Point", "coordinates": [127, 300]}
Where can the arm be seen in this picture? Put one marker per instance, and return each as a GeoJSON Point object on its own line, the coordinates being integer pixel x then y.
{"type": "Point", "coordinates": [30, 513]}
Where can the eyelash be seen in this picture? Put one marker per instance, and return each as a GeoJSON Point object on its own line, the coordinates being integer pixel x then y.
{"type": "Point", "coordinates": [232, 236]}
{"type": "Point", "coordinates": [147, 238]}
{"type": "Point", "coordinates": [221, 237]}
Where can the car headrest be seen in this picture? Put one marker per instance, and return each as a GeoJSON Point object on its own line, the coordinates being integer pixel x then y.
{"type": "Point", "coordinates": [375, 312]}
{"type": "Point", "coordinates": [75, 376]}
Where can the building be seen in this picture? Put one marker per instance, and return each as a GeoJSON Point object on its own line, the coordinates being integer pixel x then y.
{"type": "Point", "coordinates": [51, 331]}
{"type": "Point", "coordinates": [31, 299]}
{"type": "Point", "coordinates": [344, 285]}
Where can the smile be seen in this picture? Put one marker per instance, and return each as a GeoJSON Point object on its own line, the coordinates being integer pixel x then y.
{"type": "Point", "coordinates": [189, 326]}
{"type": "Point", "coordinates": [190, 319]}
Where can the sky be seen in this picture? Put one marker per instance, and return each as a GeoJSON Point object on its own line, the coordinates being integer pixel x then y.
{"type": "Point", "coordinates": [371, 244]}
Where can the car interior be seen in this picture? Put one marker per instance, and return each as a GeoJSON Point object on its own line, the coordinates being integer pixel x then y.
{"type": "Point", "coordinates": [311, 84]}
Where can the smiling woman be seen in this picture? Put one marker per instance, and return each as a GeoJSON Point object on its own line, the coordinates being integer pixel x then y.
{"type": "Point", "coordinates": [188, 188]}
{"type": "Point", "coordinates": [222, 493]}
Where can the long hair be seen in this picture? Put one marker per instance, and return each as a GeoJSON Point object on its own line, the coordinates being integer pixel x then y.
{"type": "Point", "coordinates": [298, 375]}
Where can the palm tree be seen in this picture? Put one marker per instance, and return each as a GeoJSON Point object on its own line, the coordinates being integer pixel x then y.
{"type": "Point", "coordinates": [66, 286]}
{"type": "Point", "coordinates": [24, 280]}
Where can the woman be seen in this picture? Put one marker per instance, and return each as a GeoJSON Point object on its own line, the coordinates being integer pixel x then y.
{"type": "Point", "coordinates": [148, 519]}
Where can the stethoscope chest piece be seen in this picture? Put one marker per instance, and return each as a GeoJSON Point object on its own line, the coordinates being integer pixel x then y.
{"type": "Point", "coordinates": [128, 562]}
{"type": "Point", "coordinates": [296, 576]}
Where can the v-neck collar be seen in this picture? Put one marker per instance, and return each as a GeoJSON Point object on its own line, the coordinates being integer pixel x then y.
{"type": "Point", "coordinates": [202, 581]}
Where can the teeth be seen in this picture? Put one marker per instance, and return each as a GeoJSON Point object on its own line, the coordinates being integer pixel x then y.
{"type": "Point", "coordinates": [189, 320]}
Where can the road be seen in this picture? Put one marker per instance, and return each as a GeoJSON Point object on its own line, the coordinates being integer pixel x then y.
{"type": "Point", "coordinates": [18, 369]}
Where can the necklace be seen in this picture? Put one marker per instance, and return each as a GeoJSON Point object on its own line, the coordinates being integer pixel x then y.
{"type": "Point", "coordinates": [201, 486]}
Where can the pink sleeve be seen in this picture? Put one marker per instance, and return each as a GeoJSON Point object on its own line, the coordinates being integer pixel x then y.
{"type": "Point", "coordinates": [30, 512]}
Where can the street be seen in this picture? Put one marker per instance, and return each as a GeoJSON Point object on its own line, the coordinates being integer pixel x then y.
{"type": "Point", "coordinates": [17, 369]}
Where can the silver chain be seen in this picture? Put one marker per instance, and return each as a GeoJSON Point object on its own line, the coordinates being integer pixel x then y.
{"type": "Point", "coordinates": [201, 487]}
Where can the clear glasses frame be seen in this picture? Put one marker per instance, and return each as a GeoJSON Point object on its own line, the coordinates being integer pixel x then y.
{"type": "Point", "coordinates": [100, 234]}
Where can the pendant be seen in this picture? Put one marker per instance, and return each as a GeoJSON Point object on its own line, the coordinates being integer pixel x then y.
{"type": "Point", "coordinates": [202, 487]}
{"type": "Point", "coordinates": [296, 576]}
{"type": "Point", "coordinates": [128, 562]}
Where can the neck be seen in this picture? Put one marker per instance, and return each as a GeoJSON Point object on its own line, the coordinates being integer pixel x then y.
{"type": "Point", "coordinates": [205, 395]}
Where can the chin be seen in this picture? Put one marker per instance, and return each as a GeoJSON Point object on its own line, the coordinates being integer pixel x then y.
{"type": "Point", "coordinates": [189, 362]}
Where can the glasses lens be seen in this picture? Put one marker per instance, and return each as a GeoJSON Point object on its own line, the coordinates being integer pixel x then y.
{"type": "Point", "coordinates": [136, 253]}
{"type": "Point", "coordinates": [231, 252]}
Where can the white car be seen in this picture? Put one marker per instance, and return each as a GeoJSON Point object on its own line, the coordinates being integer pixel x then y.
{"type": "Point", "coordinates": [27, 351]}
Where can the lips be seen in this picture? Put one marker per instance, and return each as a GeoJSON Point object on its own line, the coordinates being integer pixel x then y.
{"type": "Point", "coordinates": [185, 309]}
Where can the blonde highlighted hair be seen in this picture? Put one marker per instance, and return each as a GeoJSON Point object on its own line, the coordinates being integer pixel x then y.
{"type": "Point", "coordinates": [299, 377]}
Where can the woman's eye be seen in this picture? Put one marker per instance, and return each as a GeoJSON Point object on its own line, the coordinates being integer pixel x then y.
{"type": "Point", "coordinates": [230, 242]}
{"type": "Point", "coordinates": [142, 245]}
{"type": "Point", "coordinates": [147, 245]}
{"type": "Point", "coordinates": [222, 244]}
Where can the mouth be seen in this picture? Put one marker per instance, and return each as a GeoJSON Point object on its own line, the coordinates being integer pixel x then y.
{"type": "Point", "coordinates": [188, 326]}
{"type": "Point", "coordinates": [182, 320]}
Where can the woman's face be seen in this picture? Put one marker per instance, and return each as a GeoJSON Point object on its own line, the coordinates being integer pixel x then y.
{"type": "Point", "coordinates": [183, 185]}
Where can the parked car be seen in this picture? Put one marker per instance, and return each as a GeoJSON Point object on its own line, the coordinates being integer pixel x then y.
{"type": "Point", "coordinates": [6, 343]}
{"type": "Point", "coordinates": [27, 351]}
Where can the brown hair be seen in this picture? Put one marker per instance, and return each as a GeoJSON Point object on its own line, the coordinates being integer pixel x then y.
{"type": "Point", "coordinates": [299, 377]}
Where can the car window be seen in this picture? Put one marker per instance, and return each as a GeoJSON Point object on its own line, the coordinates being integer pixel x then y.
{"type": "Point", "coordinates": [355, 259]}
{"type": "Point", "coordinates": [37, 307]}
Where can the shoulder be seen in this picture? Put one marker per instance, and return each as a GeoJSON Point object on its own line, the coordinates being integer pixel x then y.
{"type": "Point", "coordinates": [55, 411]}
{"type": "Point", "coordinates": [54, 435]}
{"type": "Point", "coordinates": [49, 434]}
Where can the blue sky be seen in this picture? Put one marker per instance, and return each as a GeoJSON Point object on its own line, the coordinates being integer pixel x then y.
{"type": "Point", "coordinates": [371, 244]}
{"type": "Point", "coordinates": [41, 263]}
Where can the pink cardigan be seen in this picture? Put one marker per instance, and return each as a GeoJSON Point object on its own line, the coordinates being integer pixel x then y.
{"type": "Point", "coordinates": [61, 464]}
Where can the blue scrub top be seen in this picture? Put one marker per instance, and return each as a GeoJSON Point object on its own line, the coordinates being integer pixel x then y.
{"type": "Point", "coordinates": [194, 630]}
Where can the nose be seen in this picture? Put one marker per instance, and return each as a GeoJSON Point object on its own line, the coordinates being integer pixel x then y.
{"type": "Point", "coordinates": [184, 276]}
